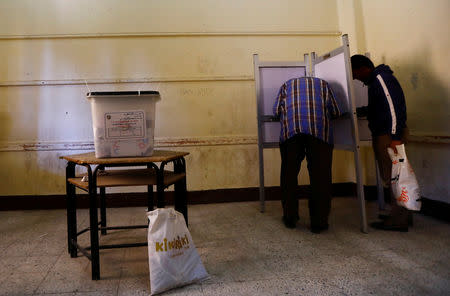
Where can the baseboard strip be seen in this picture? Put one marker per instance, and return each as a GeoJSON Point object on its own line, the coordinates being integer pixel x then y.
{"type": "Point", "coordinates": [437, 209]}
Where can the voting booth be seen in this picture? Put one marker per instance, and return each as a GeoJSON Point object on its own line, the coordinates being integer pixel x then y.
{"type": "Point", "coordinates": [349, 132]}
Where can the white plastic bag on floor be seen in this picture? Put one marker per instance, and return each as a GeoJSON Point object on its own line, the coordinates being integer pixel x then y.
{"type": "Point", "coordinates": [403, 180]}
{"type": "Point", "coordinates": [173, 258]}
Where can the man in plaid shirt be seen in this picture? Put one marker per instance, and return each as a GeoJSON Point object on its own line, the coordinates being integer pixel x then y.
{"type": "Point", "coordinates": [305, 107]}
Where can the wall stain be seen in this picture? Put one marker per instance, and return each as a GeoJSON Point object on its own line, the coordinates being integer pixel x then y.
{"type": "Point", "coordinates": [206, 66]}
{"type": "Point", "coordinates": [414, 80]}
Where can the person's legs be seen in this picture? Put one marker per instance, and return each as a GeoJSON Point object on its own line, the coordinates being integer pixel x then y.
{"type": "Point", "coordinates": [380, 145]}
{"type": "Point", "coordinates": [283, 184]}
{"type": "Point", "coordinates": [399, 215]}
{"type": "Point", "coordinates": [319, 155]}
{"type": "Point", "coordinates": [292, 154]}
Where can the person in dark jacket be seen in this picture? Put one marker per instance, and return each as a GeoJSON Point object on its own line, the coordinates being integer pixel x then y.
{"type": "Point", "coordinates": [386, 113]}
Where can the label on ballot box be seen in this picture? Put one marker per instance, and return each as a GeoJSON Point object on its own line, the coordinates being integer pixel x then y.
{"type": "Point", "coordinates": [125, 125]}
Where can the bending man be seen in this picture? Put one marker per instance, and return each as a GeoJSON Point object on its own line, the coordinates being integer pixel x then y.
{"type": "Point", "coordinates": [305, 107]}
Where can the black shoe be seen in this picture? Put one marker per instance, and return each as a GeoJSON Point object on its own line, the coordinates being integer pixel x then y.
{"type": "Point", "coordinates": [319, 229]}
{"type": "Point", "coordinates": [382, 226]}
{"type": "Point", "coordinates": [384, 217]}
{"type": "Point", "coordinates": [289, 223]}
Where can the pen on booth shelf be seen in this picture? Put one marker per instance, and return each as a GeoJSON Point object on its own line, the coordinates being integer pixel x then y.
{"type": "Point", "coordinates": [87, 86]}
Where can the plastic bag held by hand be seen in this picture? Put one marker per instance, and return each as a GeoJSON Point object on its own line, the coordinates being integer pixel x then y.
{"type": "Point", "coordinates": [403, 180]}
{"type": "Point", "coordinates": [173, 258]}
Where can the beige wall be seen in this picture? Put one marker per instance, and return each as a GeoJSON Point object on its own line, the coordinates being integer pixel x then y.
{"type": "Point", "coordinates": [414, 38]}
{"type": "Point", "coordinates": [198, 54]}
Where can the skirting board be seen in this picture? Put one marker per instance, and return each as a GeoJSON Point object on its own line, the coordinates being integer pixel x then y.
{"type": "Point", "coordinates": [115, 200]}
{"type": "Point", "coordinates": [437, 209]}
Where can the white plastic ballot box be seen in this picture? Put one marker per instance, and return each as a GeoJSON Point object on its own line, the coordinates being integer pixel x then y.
{"type": "Point", "coordinates": [123, 122]}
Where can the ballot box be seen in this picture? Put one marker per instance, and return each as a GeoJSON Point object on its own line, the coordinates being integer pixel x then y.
{"type": "Point", "coordinates": [123, 122]}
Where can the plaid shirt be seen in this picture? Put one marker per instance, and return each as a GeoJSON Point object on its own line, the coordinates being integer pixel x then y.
{"type": "Point", "coordinates": [305, 105]}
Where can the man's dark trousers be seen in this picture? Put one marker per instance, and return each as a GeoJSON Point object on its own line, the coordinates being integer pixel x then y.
{"type": "Point", "coordinates": [319, 156]}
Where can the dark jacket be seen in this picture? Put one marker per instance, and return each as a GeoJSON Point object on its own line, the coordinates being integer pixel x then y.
{"type": "Point", "coordinates": [386, 114]}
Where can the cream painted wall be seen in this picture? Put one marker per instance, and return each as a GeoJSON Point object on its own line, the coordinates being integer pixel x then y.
{"type": "Point", "coordinates": [198, 54]}
{"type": "Point", "coordinates": [414, 38]}
{"type": "Point", "coordinates": [117, 16]}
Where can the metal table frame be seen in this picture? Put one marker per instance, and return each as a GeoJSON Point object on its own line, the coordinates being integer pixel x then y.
{"type": "Point", "coordinates": [157, 175]}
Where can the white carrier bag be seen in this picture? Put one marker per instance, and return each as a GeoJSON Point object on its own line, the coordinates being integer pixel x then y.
{"type": "Point", "coordinates": [403, 180]}
{"type": "Point", "coordinates": [173, 258]}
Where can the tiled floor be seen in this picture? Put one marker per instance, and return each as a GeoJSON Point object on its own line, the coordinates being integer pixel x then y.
{"type": "Point", "coordinates": [245, 252]}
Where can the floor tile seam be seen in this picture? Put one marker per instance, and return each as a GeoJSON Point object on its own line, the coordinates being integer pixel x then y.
{"type": "Point", "coordinates": [326, 257]}
{"type": "Point", "coordinates": [22, 273]}
{"type": "Point", "coordinates": [341, 289]}
{"type": "Point", "coordinates": [354, 252]}
{"type": "Point", "coordinates": [124, 255]}
{"type": "Point", "coordinates": [421, 265]}
{"type": "Point", "coordinates": [15, 266]}
{"type": "Point", "coordinates": [290, 276]}
{"type": "Point", "coordinates": [432, 271]}
{"type": "Point", "coordinates": [355, 246]}
{"type": "Point", "coordinates": [204, 283]}
{"type": "Point", "coordinates": [56, 294]}
{"type": "Point", "coordinates": [407, 282]}
{"type": "Point", "coordinates": [75, 292]}
{"type": "Point", "coordinates": [436, 261]}
{"type": "Point", "coordinates": [120, 281]}
{"type": "Point", "coordinates": [46, 275]}
{"type": "Point", "coordinates": [402, 275]}
{"type": "Point", "coordinates": [9, 245]}
{"type": "Point", "coordinates": [428, 269]}
{"type": "Point", "coordinates": [396, 250]}
{"type": "Point", "coordinates": [372, 257]}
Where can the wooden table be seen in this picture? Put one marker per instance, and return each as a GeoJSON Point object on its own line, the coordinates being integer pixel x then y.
{"type": "Point", "coordinates": [99, 177]}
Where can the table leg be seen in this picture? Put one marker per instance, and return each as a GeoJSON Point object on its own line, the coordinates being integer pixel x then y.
{"type": "Point", "coordinates": [71, 211]}
{"type": "Point", "coordinates": [93, 223]}
{"type": "Point", "coordinates": [180, 189]}
{"type": "Point", "coordinates": [160, 203]}
{"type": "Point", "coordinates": [103, 210]}
{"type": "Point", "coordinates": [150, 204]}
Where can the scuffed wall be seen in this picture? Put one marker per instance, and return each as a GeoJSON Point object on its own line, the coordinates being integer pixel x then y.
{"type": "Point", "coordinates": [431, 164]}
{"type": "Point", "coordinates": [198, 54]}
{"type": "Point", "coordinates": [414, 39]}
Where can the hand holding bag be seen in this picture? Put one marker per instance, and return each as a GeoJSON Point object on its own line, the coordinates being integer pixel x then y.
{"type": "Point", "coordinates": [403, 180]}
{"type": "Point", "coordinates": [173, 258]}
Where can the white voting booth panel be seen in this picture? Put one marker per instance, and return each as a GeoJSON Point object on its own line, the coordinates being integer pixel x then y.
{"type": "Point", "coordinates": [361, 99]}
{"type": "Point", "coordinates": [361, 96]}
{"type": "Point", "coordinates": [331, 68]}
{"type": "Point", "coordinates": [334, 67]}
{"type": "Point", "coordinates": [273, 74]}
{"type": "Point", "coordinates": [271, 78]}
